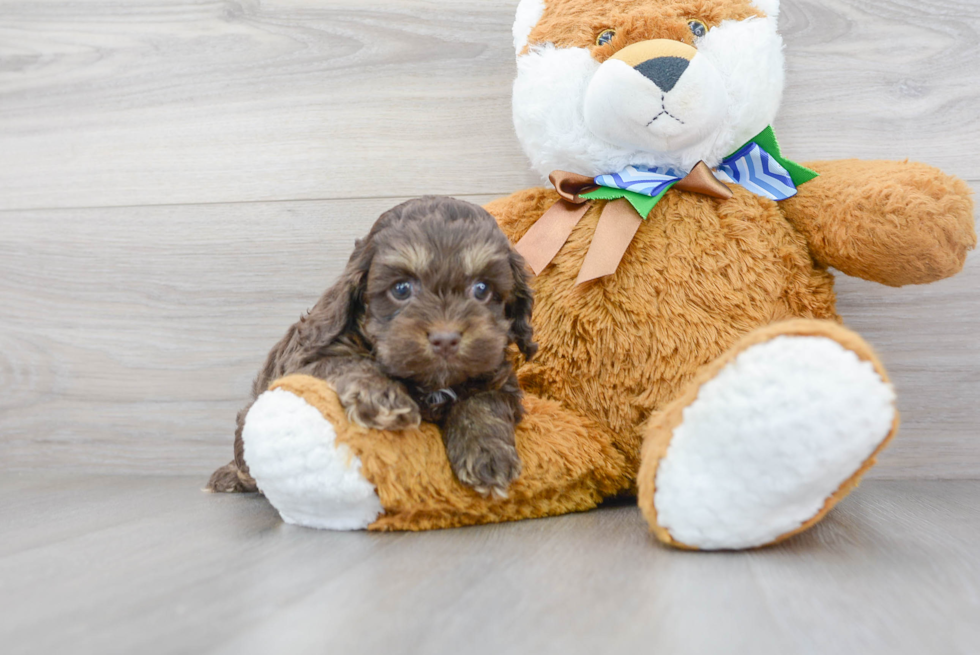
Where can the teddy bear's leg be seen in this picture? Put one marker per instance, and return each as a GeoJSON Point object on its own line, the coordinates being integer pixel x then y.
{"type": "Point", "coordinates": [320, 470]}
{"type": "Point", "coordinates": [766, 439]}
{"type": "Point", "coordinates": [304, 470]}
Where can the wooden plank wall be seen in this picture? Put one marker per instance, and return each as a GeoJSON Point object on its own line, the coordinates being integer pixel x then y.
{"type": "Point", "coordinates": [179, 179]}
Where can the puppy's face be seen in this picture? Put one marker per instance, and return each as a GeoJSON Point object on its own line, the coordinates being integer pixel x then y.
{"type": "Point", "coordinates": [444, 294]}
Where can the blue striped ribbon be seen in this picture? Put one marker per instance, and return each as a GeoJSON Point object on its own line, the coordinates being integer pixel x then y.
{"type": "Point", "coordinates": [759, 172]}
{"type": "Point", "coordinates": [751, 167]}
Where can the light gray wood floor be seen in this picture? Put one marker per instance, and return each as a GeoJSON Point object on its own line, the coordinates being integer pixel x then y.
{"type": "Point", "coordinates": [154, 565]}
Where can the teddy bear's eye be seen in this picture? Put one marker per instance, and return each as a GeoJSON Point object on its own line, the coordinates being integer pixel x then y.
{"type": "Point", "coordinates": [605, 36]}
{"type": "Point", "coordinates": [698, 29]}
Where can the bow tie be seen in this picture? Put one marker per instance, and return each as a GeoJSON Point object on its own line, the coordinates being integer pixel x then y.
{"type": "Point", "coordinates": [758, 166]}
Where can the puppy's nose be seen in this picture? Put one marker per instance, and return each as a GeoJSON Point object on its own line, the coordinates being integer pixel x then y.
{"type": "Point", "coordinates": [445, 343]}
{"type": "Point", "coordinates": [663, 71]}
{"type": "Point", "coordinates": [662, 61]}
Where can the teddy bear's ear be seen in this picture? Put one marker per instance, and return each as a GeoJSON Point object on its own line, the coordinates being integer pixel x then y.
{"type": "Point", "coordinates": [771, 7]}
{"type": "Point", "coordinates": [528, 14]}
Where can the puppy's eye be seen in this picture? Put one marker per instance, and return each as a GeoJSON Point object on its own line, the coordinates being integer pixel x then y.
{"type": "Point", "coordinates": [605, 36]}
{"type": "Point", "coordinates": [698, 29]}
{"type": "Point", "coordinates": [480, 291]}
{"type": "Point", "coordinates": [401, 291]}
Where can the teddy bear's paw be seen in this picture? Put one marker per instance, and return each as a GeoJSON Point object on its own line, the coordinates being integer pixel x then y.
{"type": "Point", "coordinates": [770, 444]}
{"type": "Point", "coordinates": [312, 480]}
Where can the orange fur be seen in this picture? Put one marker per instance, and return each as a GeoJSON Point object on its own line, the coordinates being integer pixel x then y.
{"type": "Point", "coordinates": [895, 223]}
{"type": "Point", "coordinates": [573, 23]}
{"type": "Point", "coordinates": [699, 274]}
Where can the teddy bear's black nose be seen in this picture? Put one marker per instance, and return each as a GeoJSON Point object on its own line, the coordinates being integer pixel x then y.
{"type": "Point", "coordinates": [663, 71]}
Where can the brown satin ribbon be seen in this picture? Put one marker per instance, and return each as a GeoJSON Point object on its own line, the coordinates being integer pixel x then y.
{"type": "Point", "coordinates": [617, 225]}
{"type": "Point", "coordinates": [615, 230]}
{"type": "Point", "coordinates": [546, 237]}
{"type": "Point", "coordinates": [541, 243]}
{"type": "Point", "coordinates": [702, 180]}
{"type": "Point", "coordinates": [570, 185]}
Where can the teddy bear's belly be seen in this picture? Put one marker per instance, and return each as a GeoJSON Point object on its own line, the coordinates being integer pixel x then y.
{"type": "Point", "coordinates": [698, 275]}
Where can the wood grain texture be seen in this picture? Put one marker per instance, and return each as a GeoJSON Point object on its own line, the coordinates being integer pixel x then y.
{"type": "Point", "coordinates": [153, 565]}
{"type": "Point", "coordinates": [134, 311]}
{"type": "Point", "coordinates": [158, 102]}
{"type": "Point", "coordinates": [129, 102]}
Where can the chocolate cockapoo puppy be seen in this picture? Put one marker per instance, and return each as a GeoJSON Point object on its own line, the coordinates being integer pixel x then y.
{"type": "Point", "coordinates": [417, 328]}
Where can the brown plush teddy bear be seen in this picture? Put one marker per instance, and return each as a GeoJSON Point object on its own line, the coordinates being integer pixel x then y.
{"type": "Point", "coordinates": [690, 351]}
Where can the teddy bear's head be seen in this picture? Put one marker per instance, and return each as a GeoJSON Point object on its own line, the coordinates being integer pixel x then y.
{"type": "Point", "coordinates": [605, 84]}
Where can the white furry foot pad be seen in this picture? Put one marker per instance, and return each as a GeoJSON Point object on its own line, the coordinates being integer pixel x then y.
{"type": "Point", "coordinates": [310, 479]}
{"type": "Point", "coordinates": [769, 444]}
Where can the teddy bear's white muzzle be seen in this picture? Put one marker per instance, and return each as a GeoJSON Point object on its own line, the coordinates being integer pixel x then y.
{"type": "Point", "coordinates": [662, 104]}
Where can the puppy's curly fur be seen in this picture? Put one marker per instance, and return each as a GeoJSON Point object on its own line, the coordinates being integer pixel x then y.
{"type": "Point", "coordinates": [418, 328]}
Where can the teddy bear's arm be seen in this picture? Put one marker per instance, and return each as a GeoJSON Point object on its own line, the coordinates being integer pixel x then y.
{"type": "Point", "coordinates": [896, 223]}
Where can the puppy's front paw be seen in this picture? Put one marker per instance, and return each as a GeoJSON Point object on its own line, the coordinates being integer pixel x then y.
{"type": "Point", "coordinates": [380, 404]}
{"type": "Point", "coordinates": [486, 465]}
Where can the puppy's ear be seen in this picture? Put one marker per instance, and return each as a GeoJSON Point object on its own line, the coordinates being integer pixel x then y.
{"type": "Point", "coordinates": [339, 307]}
{"type": "Point", "coordinates": [335, 313]}
{"type": "Point", "coordinates": [518, 308]}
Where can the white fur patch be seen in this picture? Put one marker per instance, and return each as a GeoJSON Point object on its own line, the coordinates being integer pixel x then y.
{"type": "Point", "coordinates": [748, 55]}
{"type": "Point", "coordinates": [627, 109]}
{"type": "Point", "coordinates": [528, 14]}
{"type": "Point", "coordinates": [549, 97]}
{"type": "Point", "coordinates": [552, 91]}
{"type": "Point", "coordinates": [310, 479]}
{"type": "Point", "coordinates": [771, 7]}
{"type": "Point", "coordinates": [768, 440]}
